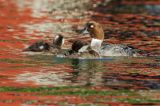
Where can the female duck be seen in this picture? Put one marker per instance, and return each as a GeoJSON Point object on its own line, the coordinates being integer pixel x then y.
{"type": "Point", "coordinates": [97, 34]}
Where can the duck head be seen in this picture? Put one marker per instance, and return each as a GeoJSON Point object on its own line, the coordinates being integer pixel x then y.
{"type": "Point", "coordinates": [58, 41]}
{"type": "Point", "coordinates": [94, 29]}
{"type": "Point", "coordinates": [96, 33]}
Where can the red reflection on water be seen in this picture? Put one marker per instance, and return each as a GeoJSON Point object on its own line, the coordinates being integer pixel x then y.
{"type": "Point", "coordinates": [13, 37]}
{"type": "Point", "coordinates": [11, 41]}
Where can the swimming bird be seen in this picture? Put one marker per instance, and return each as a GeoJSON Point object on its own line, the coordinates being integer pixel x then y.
{"type": "Point", "coordinates": [42, 46]}
{"type": "Point", "coordinates": [96, 32]}
{"type": "Point", "coordinates": [80, 50]}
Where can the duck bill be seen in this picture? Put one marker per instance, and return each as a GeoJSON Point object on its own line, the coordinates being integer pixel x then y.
{"type": "Point", "coordinates": [85, 31]}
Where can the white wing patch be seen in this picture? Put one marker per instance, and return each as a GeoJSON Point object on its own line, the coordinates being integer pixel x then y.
{"type": "Point", "coordinates": [41, 47]}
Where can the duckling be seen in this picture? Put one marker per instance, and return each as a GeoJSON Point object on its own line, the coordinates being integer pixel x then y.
{"type": "Point", "coordinates": [81, 50]}
{"type": "Point", "coordinates": [97, 34]}
{"type": "Point", "coordinates": [42, 46]}
{"type": "Point", "coordinates": [38, 47]}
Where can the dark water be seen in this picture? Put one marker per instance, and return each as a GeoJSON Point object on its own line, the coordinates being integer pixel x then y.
{"type": "Point", "coordinates": [134, 9]}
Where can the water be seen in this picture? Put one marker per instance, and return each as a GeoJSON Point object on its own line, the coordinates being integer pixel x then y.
{"type": "Point", "coordinates": [66, 81]}
{"type": "Point", "coordinates": [115, 73]}
{"type": "Point", "coordinates": [134, 9]}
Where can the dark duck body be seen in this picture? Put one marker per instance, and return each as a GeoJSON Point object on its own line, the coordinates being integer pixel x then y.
{"type": "Point", "coordinates": [81, 50]}
{"type": "Point", "coordinates": [42, 46]}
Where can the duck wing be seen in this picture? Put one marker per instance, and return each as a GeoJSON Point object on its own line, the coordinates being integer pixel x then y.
{"type": "Point", "coordinates": [118, 50]}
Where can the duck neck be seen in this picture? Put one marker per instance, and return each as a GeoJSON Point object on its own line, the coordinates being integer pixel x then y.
{"type": "Point", "coordinates": [96, 44]}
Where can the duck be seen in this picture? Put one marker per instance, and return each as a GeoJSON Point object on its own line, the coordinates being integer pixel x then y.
{"type": "Point", "coordinates": [43, 46]}
{"type": "Point", "coordinates": [96, 33]}
{"type": "Point", "coordinates": [80, 50]}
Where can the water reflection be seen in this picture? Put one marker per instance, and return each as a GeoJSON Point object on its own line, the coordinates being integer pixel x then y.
{"type": "Point", "coordinates": [131, 81]}
{"type": "Point", "coordinates": [70, 72]}
{"type": "Point", "coordinates": [118, 7]}
{"type": "Point", "coordinates": [39, 7]}
{"type": "Point", "coordinates": [88, 72]}
{"type": "Point", "coordinates": [65, 72]}
{"type": "Point", "coordinates": [153, 9]}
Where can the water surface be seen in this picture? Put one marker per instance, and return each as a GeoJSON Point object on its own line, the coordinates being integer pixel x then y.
{"type": "Point", "coordinates": [41, 79]}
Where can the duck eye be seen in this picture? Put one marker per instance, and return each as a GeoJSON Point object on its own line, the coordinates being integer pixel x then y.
{"type": "Point", "coordinates": [91, 26]}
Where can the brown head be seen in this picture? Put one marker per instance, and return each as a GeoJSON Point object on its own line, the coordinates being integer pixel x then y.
{"type": "Point", "coordinates": [95, 30]}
